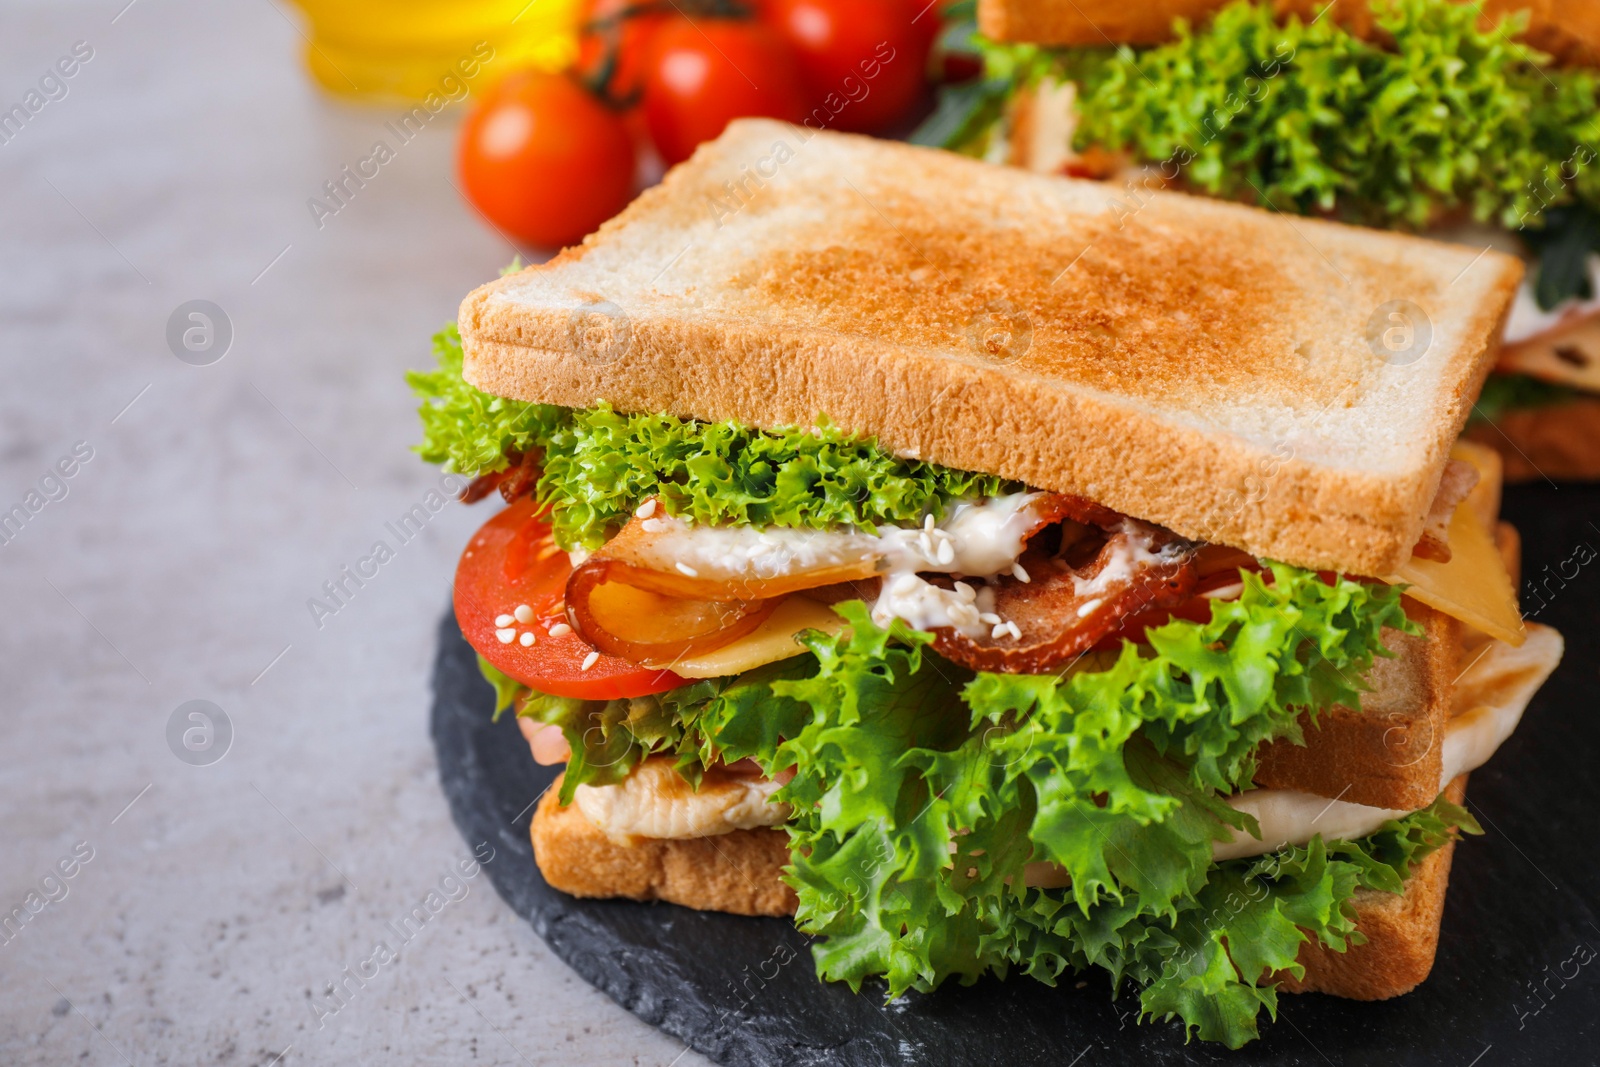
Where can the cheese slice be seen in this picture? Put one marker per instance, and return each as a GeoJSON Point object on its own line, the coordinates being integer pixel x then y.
{"type": "Point", "coordinates": [771, 641]}
{"type": "Point", "coordinates": [1484, 499]}
{"type": "Point", "coordinates": [1474, 586]}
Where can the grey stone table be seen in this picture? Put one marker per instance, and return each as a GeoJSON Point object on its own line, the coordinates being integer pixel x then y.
{"type": "Point", "coordinates": [176, 518]}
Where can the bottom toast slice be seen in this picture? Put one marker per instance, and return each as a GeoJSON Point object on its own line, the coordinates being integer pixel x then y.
{"type": "Point", "coordinates": [1402, 934]}
{"type": "Point", "coordinates": [740, 873]}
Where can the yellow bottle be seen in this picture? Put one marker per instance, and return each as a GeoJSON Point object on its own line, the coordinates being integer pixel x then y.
{"type": "Point", "coordinates": [394, 50]}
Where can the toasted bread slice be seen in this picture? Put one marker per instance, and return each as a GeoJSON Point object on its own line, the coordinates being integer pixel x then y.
{"type": "Point", "coordinates": [1558, 442]}
{"type": "Point", "coordinates": [736, 872]}
{"type": "Point", "coordinates": [741, 872]}
{"type": "Point", "coordinates": [1569, 29]}
{"type": "Point", "coordinates": [1214, 368]}
{"type": "Point", "coordinates": [1389, 754]}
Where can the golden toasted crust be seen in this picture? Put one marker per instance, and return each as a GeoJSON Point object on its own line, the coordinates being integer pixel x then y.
{"type": "Point", "coordinates": [1199, 364]}
{"type": "Point", "coordinates": [1087, 22]}
{"type": "Point", "coordinates": [1402, 935]}
{"type": "Point", "coordinates": [736, 872]}
{"type": "Point", "coordinates": [1570, 29]}
{"type": "Point", "coordinates": [1389, 754]}
{"type": "Point", "coordinates": [1560, 442]}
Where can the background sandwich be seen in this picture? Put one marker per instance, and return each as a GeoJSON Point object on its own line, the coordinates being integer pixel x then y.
{"type": "Point", "coordinates": [1478, 122]}
{"type": "Point", "coordinates": [900, 542]}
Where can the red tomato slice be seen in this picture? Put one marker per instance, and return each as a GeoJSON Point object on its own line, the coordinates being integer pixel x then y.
{"type": "Point", "coordinates": [513, 560]}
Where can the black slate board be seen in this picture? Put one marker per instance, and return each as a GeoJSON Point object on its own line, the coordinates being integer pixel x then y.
{"type": "Point", "coordinates": [1510, 987]}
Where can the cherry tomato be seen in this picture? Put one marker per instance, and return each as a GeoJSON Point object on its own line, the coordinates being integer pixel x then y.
{"type": "Point", "coordinates": [511, 561]}
{"type": "Point", "coordinates": [544, 160]}
{"type": "Point", "coordinates": [704, 73]}
{"type": "Point", "coordinates": [623, 29]}
{"type": "Point", "coordinates": [863, 65]}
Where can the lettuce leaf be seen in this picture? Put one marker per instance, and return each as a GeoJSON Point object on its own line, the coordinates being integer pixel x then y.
{"type": "Point", "coordinates": [1211, 965]}
{"type": "Point", "coordinates": [1311, 118]}
{"type": "Point", "coordinates": [609, 738]}
{"type": "Point", "coordinates": [921, 791]}
{"type": "Point", "coordinates": [465, 429]}
{"type": "Point", "coordinates": [599, 464]}
{"type": "Point", "coordinates": [913, 826]}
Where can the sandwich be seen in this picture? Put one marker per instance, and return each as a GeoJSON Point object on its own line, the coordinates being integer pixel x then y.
{"type": "Point", "coordinates": [1474, 122]}
{"type": "Point", "coordinates": [995, 585]}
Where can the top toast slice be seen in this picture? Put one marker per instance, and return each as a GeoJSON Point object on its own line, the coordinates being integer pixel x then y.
{"type": "Point", "coordinates": [1286, 386]}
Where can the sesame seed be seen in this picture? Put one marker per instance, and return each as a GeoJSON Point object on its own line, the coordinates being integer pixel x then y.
{"type": "Point", "coordinates": [647, 509]}
{"type": "Point", "coordinates": [1016, 634]}
{"type": "Point", "coordinates": [590, 660]}
{"type": "Point", "coordinates": [505, 636]}
{"type": "Point", "coordinates": [527, 638]}
{"type": "Point", "coordinates": [1088, 607]}
{"type": "Point", "coordinates": [524, 614]}
{"type": "Point", "coordinates": [966, 592]}
{"type": "Point", "coordinates": [685, 569]}
{"type": "Point", "coordinates": [927, 522]}
{"type": "Point", "coordinates": [989, 618]}
{"type": "Point", "coordinates": [1020, 574]}
{"type": "Point", "coordinates": [560, 629]}
{"type": "Point", "coordinates": [998, 632]}
{"type": "Point", "coordinates": [504, 620]}
{"type": "Point", "coordinates": [947, 553]}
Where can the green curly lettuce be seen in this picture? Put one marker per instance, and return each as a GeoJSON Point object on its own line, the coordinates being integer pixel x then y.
{"type": "Point", "coordinates": [1212, 963]}
{"type": "Point", "coordinates": [609, 738]}
{"type": "Point", "coordinates": [1112, 775]}
{"type": "Point", "coordinates": [600, 464]}
{"type": "Point", "coordinates": [921, 791]}
{"type": "Point", "coordinates": [466, 430]}
{"type": "Point", "coordinates": [1442, 116]}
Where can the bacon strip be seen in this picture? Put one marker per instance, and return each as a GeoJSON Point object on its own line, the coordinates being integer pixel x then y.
{"type": "Point", "coordinates": [1063, 612]}
{"type": "Point", "coordinates": [513, 481]}
{"type": "Point", "coordinates": [1058, 506]}
{"type": "Point", "coordinates": [1459, 479]}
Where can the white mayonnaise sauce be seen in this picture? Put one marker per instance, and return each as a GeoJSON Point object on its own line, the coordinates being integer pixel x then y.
{"type": "Point", "coordinates": [979, 538]}
{"type": "Point", "coordinates": [1128, 556]}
